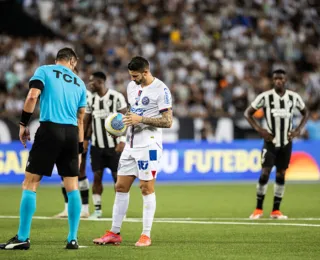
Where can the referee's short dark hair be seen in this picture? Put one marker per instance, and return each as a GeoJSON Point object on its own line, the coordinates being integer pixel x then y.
{"type": "Point", "coordinates": [99, 75]}
{"type": "Point", "coordinates": [138, 63]}
{"type": "Point", "coordinates": [66, 54]}
{"type": "Point", "coordinates": [279, 71]}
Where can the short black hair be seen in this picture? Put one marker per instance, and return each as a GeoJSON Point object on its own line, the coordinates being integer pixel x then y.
{"type": "Point", "coordinates": [138, 63]}
{"type": "Point", "coordinates": [66, 54]}
{"type": "Point", "coordinates": [279, 71]}
{"type": "Point", "coordinates": [99, 75]}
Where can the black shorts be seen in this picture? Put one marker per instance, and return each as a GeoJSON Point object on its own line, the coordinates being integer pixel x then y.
{"type": "Point", "coordinates": [276, 156]}
{"type": "Point", "coordinates": [104, 158]}
{"type": "Point", "coordinates": [55, 144]}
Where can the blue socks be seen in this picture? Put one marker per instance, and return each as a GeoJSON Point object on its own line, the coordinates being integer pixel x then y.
{"type": "Point", "coordinates": [27, 209]}
{"type": "Point", "coordinates": [74, 211]}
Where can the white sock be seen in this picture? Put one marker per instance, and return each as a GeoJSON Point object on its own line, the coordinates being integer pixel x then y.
{"type": "Point", "coordinates": [149, 208]}
{"type": "Point", "coordinates": [66, 207]}
{"type": "Point", "coordinates": [85, 208]}
{"type": "Point", "coordinates": [84, 184]}
{"type": "Point", "coordinates": [96, 201]}
{"type": "Point", "coordinates": [278, 190]}
{"type": "Point", "coordinates": [262, 189]}
{"type": "Point", "coordinates": [120, 207]}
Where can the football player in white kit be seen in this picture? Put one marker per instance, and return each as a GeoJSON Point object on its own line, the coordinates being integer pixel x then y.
{"type": "Point", "coordinates": [150, 110]}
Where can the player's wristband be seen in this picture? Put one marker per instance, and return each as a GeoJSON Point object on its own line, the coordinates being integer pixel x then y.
{"type": "Point", "coordinates": [81, 147]}
{"type": "Point", "coordinates": [87, 138]}
{"type": "Point", "coordinates": [25, 118]}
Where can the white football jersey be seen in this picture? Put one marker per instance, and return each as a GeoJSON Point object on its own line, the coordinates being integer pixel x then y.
{"type": "Point", "coordinates": [149, 101]}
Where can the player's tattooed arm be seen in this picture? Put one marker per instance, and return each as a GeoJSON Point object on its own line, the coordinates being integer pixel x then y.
{"type": "Point", "coordinates": [165, 121]}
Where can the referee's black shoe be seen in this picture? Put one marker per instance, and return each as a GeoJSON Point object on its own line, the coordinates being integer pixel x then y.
{"type": "Point", "coordinates": [16, 244]}
{"type": "Point", "coordinates": [73, 244]}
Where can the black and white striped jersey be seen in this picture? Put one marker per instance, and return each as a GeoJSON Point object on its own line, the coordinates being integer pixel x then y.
{"type": "Point", "coordinates": [278, 112]}
{"type": "Point", "coordinates": [100, 108]}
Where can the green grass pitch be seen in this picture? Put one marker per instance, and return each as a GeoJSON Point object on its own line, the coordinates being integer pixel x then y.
{"type": "Point", "coordinates": [192, 222]}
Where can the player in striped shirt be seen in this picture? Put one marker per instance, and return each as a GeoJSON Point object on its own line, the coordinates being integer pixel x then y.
{"type": "Point", "coordinates": [278, 105]}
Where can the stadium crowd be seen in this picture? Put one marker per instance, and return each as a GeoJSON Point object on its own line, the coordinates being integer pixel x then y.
{"type": "Point", "coordinates": [215, 56]}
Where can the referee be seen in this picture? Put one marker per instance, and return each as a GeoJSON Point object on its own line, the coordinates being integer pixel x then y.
{"type": "Point", "coordinates": [58, 140]}
{"type": "Point", "coordinates": [278, 105]}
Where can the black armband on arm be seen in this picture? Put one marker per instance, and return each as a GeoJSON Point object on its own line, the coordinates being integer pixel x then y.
{"type": "Point", "coordinates": [36, 84]}
{"type": "Point", "coordinates": [25, 118]}
{"type": "Point", "coordinates": [81, 147]}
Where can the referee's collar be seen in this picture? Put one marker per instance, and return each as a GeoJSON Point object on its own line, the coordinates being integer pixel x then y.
{"type": "Point", "coordinates": [65, 67]}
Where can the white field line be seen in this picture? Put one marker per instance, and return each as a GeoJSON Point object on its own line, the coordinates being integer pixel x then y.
{"type": "Point", "coordinates": [238, 219]}
{"type": "Point", "coordinates": [194, 221]}
{"type": "Point", "coordinates": [178, 219]}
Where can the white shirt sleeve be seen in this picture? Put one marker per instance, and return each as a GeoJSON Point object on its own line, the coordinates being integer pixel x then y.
{"type": "Point", "coordinates": [128, 95]}
{"type": "Point", "coordinates": [300, 104]}
{"type": "Point", "coordinates": [259, 102]}
{"type": "Point", "coordinates": [121, 102]}
{"type": "Point", "coordinates": [164, 99]}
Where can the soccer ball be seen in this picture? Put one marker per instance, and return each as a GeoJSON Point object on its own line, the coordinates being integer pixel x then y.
{"type": "Point", "coordinates": [114, 124]}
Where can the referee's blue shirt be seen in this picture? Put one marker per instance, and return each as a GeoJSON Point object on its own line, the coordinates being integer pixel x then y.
{"type": "Point", "coordinates": [63, 94]}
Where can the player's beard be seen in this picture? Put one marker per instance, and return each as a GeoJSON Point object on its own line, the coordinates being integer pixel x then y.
{"type": "Point", "coordinates": [139, 82]}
